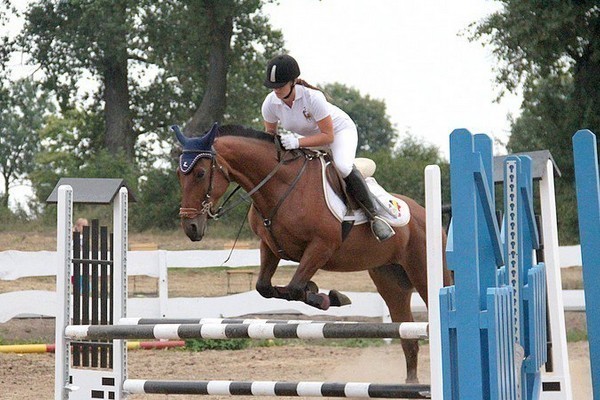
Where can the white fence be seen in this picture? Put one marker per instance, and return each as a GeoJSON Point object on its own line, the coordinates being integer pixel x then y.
{"type": "Point", "coordinates": [19, 264]}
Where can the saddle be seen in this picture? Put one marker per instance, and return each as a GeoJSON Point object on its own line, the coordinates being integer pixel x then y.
{"type": "Point", "coordinates": [343, 207]}
{"type": "Point", "coordinates": [347, 210]}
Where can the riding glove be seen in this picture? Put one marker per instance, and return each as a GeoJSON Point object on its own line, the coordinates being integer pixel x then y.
{"type": "Point", "coordinates": [290, 142]}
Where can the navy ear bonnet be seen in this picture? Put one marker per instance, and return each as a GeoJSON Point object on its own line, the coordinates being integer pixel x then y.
{"type": "Point", "coordinates": [195, 148]}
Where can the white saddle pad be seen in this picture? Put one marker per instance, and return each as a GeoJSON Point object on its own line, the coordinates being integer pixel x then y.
{"type": "Point", "coordinates": [394, 210]}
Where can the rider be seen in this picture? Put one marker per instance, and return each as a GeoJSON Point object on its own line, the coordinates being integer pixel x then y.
{"type": "Point", "coordinates": [304, 110]}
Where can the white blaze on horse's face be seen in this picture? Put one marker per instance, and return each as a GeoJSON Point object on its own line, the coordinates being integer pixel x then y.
{"type": "Point", "coordinates": [195, 203]}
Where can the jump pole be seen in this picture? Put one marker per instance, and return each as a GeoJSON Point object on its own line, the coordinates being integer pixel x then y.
{"type": "Point", "coordinates": [417, 330]}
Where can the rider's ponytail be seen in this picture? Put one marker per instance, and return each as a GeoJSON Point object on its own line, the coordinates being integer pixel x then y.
{"type": "Point", "coordinates": [299, 81]}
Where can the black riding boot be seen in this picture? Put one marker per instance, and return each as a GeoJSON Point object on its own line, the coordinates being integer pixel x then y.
{"type": "Point", "coordinates": [356, 185]}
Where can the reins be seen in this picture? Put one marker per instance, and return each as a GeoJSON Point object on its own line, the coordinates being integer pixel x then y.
{"type": "Point", "coordinates": [247, 197]}
{"type": "Point", "coordinates": [268, 222]}
{"type": "Point", "coordinates": [207, 204]}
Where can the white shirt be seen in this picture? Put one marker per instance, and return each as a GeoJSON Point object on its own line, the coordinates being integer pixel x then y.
{"type": "Point", "coordinates": [309, 107]}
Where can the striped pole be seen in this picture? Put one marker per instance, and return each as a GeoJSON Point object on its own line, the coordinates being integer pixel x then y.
{"type": "Point", "coordinates": [155, 321]}
{"type": "Point", "coordinates": [50, 348]}
{"type": "Point", "coordinates": [414, 330]}
{"type": "Point", "coordinates": [27, 348]}
{"type": "Point", "coordinates": [271, 388]}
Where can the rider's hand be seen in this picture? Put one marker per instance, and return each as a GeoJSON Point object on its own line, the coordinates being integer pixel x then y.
{"type": "Point", "coordinates": [290, 142]}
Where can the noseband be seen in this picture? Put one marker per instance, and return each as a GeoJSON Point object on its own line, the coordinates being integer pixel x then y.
{"type": "Point", "coordinates": [207, 204]}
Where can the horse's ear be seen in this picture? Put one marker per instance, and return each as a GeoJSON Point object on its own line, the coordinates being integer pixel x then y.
{"type": "Point", "coordinates": [209, 138]}
{"type": "Point", "coordinates": [180, 136]}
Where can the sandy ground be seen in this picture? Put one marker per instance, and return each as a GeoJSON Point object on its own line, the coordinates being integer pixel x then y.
{"type": "Point", "coordinates": [31, 376]}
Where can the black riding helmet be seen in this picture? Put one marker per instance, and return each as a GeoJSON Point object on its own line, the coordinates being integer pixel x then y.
{"type": "Point", "coordinates": [281, 70]}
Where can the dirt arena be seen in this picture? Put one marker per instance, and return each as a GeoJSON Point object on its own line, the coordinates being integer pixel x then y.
{"type": "Point", "coordinates": [31, 376]}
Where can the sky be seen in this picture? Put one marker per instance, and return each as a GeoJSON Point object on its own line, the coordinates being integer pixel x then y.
{"type": "Point", "coordinates": [407, 53]}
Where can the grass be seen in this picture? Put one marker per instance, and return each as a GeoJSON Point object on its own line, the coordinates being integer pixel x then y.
{"type": "Point", "coordinates": [240, 344]}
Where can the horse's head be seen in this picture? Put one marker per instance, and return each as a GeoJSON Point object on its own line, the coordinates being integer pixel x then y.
{"type": "Point", "coordinates": [200, 187]}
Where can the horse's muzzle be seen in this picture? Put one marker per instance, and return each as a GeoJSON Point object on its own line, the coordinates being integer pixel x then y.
{"type": "Point", "coordinates": [194, 226]}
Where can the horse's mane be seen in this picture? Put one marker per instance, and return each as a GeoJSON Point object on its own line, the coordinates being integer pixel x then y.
{"type": "Point", "coordinates": [242, 131]}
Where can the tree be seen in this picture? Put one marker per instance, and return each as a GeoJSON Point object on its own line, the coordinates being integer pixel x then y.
{"type": "Point", "coordinates": [375, 131]}
{"type": "Point", "coordinates": [22, 110]}
{"type": "Point", "coordinates": [6, 42]}
{"type": "Point", "coordinates": [185, 45]}
{"type": "Point", "coordinates": [402, 171]}
{"type": "Point", "coordinates": [551, 49]}
{"type": "Point", "coordinates": [545, 46]}
{"type": "Point", "coordinates": [71, 150]}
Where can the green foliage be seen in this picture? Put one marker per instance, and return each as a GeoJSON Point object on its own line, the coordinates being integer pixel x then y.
{"type": "Point", "coordinates": [164, 49]}
{"type": "Point", "coordinates": [22, 110]}
{"type": "Point", "coordinates": [158, 202]}
{"type": "Point", "coordinates": [152, 60]}
{"type": "Point", "coordinates": [375, 131]}
{"type": "Point", "coordinates": [551, 50]}
{"type": "Point", "coordinates": [576, 335]}
{"type": "Point", "coordinates": [217, 344]}
{"type": "Point", "coordinates": [6, 42]}
{"type": "Point", "coordinates": [12, 220]}
{"type": "Point", "coordinates": [402, 171]}
{"type": "Point", "coordinates": [71, 150]}
{"type": "Point", "coordinates": [352, 343]}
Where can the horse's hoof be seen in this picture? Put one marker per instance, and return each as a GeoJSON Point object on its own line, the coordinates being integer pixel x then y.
{"type": "Point", "coordinates": [312, 287]}
{"type": "Point", "coordinates": [338, 299]}
{"type": "Point", "coordinates": [318, 300]}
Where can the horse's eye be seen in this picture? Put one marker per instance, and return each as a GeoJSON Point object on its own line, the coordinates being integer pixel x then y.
{"type": "Point", "coordinates": [200, 174]}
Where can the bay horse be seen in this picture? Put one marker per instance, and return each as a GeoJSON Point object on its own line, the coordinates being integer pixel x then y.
{"type": "Point", "coordinates": [290, 216]}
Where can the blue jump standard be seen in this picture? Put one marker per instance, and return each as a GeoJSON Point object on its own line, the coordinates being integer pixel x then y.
{"type": "Point", "coordinates": [265, 388]}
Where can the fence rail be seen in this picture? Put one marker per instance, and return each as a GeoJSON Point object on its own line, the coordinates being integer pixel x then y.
{"type": "Point", "coordinates": [156, 263]}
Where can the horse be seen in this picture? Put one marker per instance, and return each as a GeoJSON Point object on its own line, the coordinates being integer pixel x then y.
{"type": "Point", "coordinates": [289, 215]}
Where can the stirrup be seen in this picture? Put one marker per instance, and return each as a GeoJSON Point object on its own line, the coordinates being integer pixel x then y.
{"type": "Point", "coordinates": [381, 229]}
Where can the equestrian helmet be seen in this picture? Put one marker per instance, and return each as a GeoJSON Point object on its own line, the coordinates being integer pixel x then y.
{"type": "Point", "coordinates": [281, 70]}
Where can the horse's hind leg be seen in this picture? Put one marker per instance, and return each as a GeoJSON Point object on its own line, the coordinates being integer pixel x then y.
{"type": "Point", "coordinates": [395, 288]}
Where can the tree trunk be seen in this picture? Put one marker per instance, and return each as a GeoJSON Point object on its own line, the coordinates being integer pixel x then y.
{"type": "Point", "coordinates": [119, 135]}
{"type": "Point", "coordinates": [213, 103]}
{"type": "Point", "coordinates": [586, 94]}
{"type": "Point", "coordinates": [5, 196]}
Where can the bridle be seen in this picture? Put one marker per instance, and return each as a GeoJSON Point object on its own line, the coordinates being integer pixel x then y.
{"type": "Point", "coordinates": [207, 203]}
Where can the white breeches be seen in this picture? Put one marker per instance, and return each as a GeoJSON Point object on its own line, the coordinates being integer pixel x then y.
{"type": "Point", "coordinates": [343, 149]}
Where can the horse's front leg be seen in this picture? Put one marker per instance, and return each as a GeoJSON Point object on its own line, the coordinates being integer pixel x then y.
{"type": "Point", "coordinates": [268, 265]}
{"type": "Point", "coordinates": [301, 287]}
